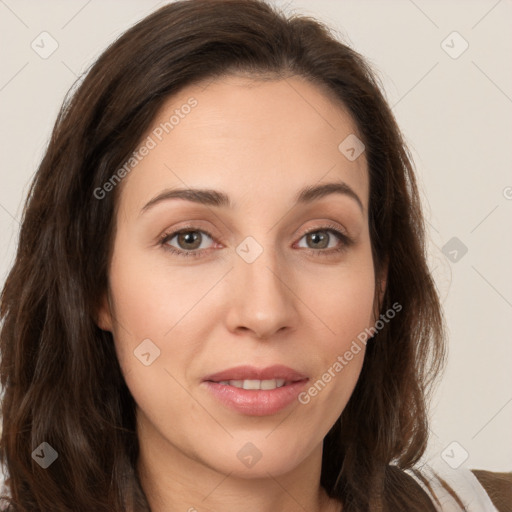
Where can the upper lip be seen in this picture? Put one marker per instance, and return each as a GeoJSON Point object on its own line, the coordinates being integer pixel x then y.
{"type": "Point", "coordinates": [246, 372]}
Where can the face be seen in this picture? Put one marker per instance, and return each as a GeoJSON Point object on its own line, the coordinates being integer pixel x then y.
{"type": "Point", "coordinates": [269, 276]}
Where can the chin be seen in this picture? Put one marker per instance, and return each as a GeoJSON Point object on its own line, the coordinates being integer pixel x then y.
{"type": "Point", "coordinates": [253, 460]}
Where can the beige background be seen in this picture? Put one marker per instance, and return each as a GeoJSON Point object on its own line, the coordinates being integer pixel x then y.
{"type": "Point", "coordinates": [456, 114]}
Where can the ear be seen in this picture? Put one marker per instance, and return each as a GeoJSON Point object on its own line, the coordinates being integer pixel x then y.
{"type": "Point", "coordinates": [104, 314]}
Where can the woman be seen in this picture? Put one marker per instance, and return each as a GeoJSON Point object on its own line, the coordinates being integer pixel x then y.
{"type": "Point", "coordinates": [220, 299]}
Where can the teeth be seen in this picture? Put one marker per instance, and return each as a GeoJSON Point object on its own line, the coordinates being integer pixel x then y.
{"type": "Point", "coordinates": [270, 384]}
{"type": "Point", "coordinates": [251, 384]}
{"type": "Point", "coordinates": [255, 384]}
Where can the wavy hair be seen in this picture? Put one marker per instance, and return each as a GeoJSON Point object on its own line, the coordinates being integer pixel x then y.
{"type": "Point", "coordinates": [60, 377]}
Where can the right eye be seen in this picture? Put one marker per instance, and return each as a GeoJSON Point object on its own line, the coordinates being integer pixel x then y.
{"type": "Point", "coordinates": [185, 237]}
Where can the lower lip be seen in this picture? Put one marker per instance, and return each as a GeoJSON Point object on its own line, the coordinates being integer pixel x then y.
{"type": "Point", "coordinates": [256, 402]}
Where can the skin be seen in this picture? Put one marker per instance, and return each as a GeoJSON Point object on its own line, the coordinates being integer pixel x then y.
{"type": "Point", "coordinates": [259, 142]}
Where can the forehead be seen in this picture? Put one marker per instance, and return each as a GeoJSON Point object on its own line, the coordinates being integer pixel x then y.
{"type": "Point", "coordinates": [255, 139]}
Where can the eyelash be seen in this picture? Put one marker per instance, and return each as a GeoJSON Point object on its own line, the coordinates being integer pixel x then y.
{"type": "Point", "coordinates": [346, 242]}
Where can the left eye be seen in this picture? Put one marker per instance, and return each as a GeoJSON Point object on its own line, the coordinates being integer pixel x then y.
{"type": "Point", "coordinates": [321, 238]}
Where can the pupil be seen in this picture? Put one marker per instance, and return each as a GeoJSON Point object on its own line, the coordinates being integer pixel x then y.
{"type": "Point", "coordinates": [189, 237]}
{"type": "Point", "coordinates": [315, 237]}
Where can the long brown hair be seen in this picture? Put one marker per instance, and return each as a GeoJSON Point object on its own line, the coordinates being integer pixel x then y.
{"type": "Point", "coordinates": [61, 380]}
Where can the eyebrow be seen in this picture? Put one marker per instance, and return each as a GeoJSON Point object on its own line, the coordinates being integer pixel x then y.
{"type": "Point", "coordinates": [219, 199]}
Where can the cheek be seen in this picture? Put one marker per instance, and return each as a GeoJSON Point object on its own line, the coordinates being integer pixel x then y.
{"type": "Point", "coordinates": [151, 296]}
{"type": "Point", "coordinates": [344, 311]}
{"type": "Point", "coordinates": [159, 326]}
{"type": "Point", "coordinates": [152, 344]}
{"type": "Point", "coordinates": [342, 302]}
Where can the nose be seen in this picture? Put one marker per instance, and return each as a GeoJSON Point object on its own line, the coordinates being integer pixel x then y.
{"type": "Point", "coordinates": [263, 301]}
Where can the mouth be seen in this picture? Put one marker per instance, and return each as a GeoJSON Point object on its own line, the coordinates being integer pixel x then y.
{"type": "Point", "coordinates": [256, 384]}
{"type": "Point", "coordinates": [240, 376]}
{"type": "Point", "coordinates": [256, 392]}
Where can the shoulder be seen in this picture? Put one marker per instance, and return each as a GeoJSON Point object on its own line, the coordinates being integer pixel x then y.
{"type": "Point", "coordinates": [453, 490]}
{"type": "Point", "coordinates": [498, 486]}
